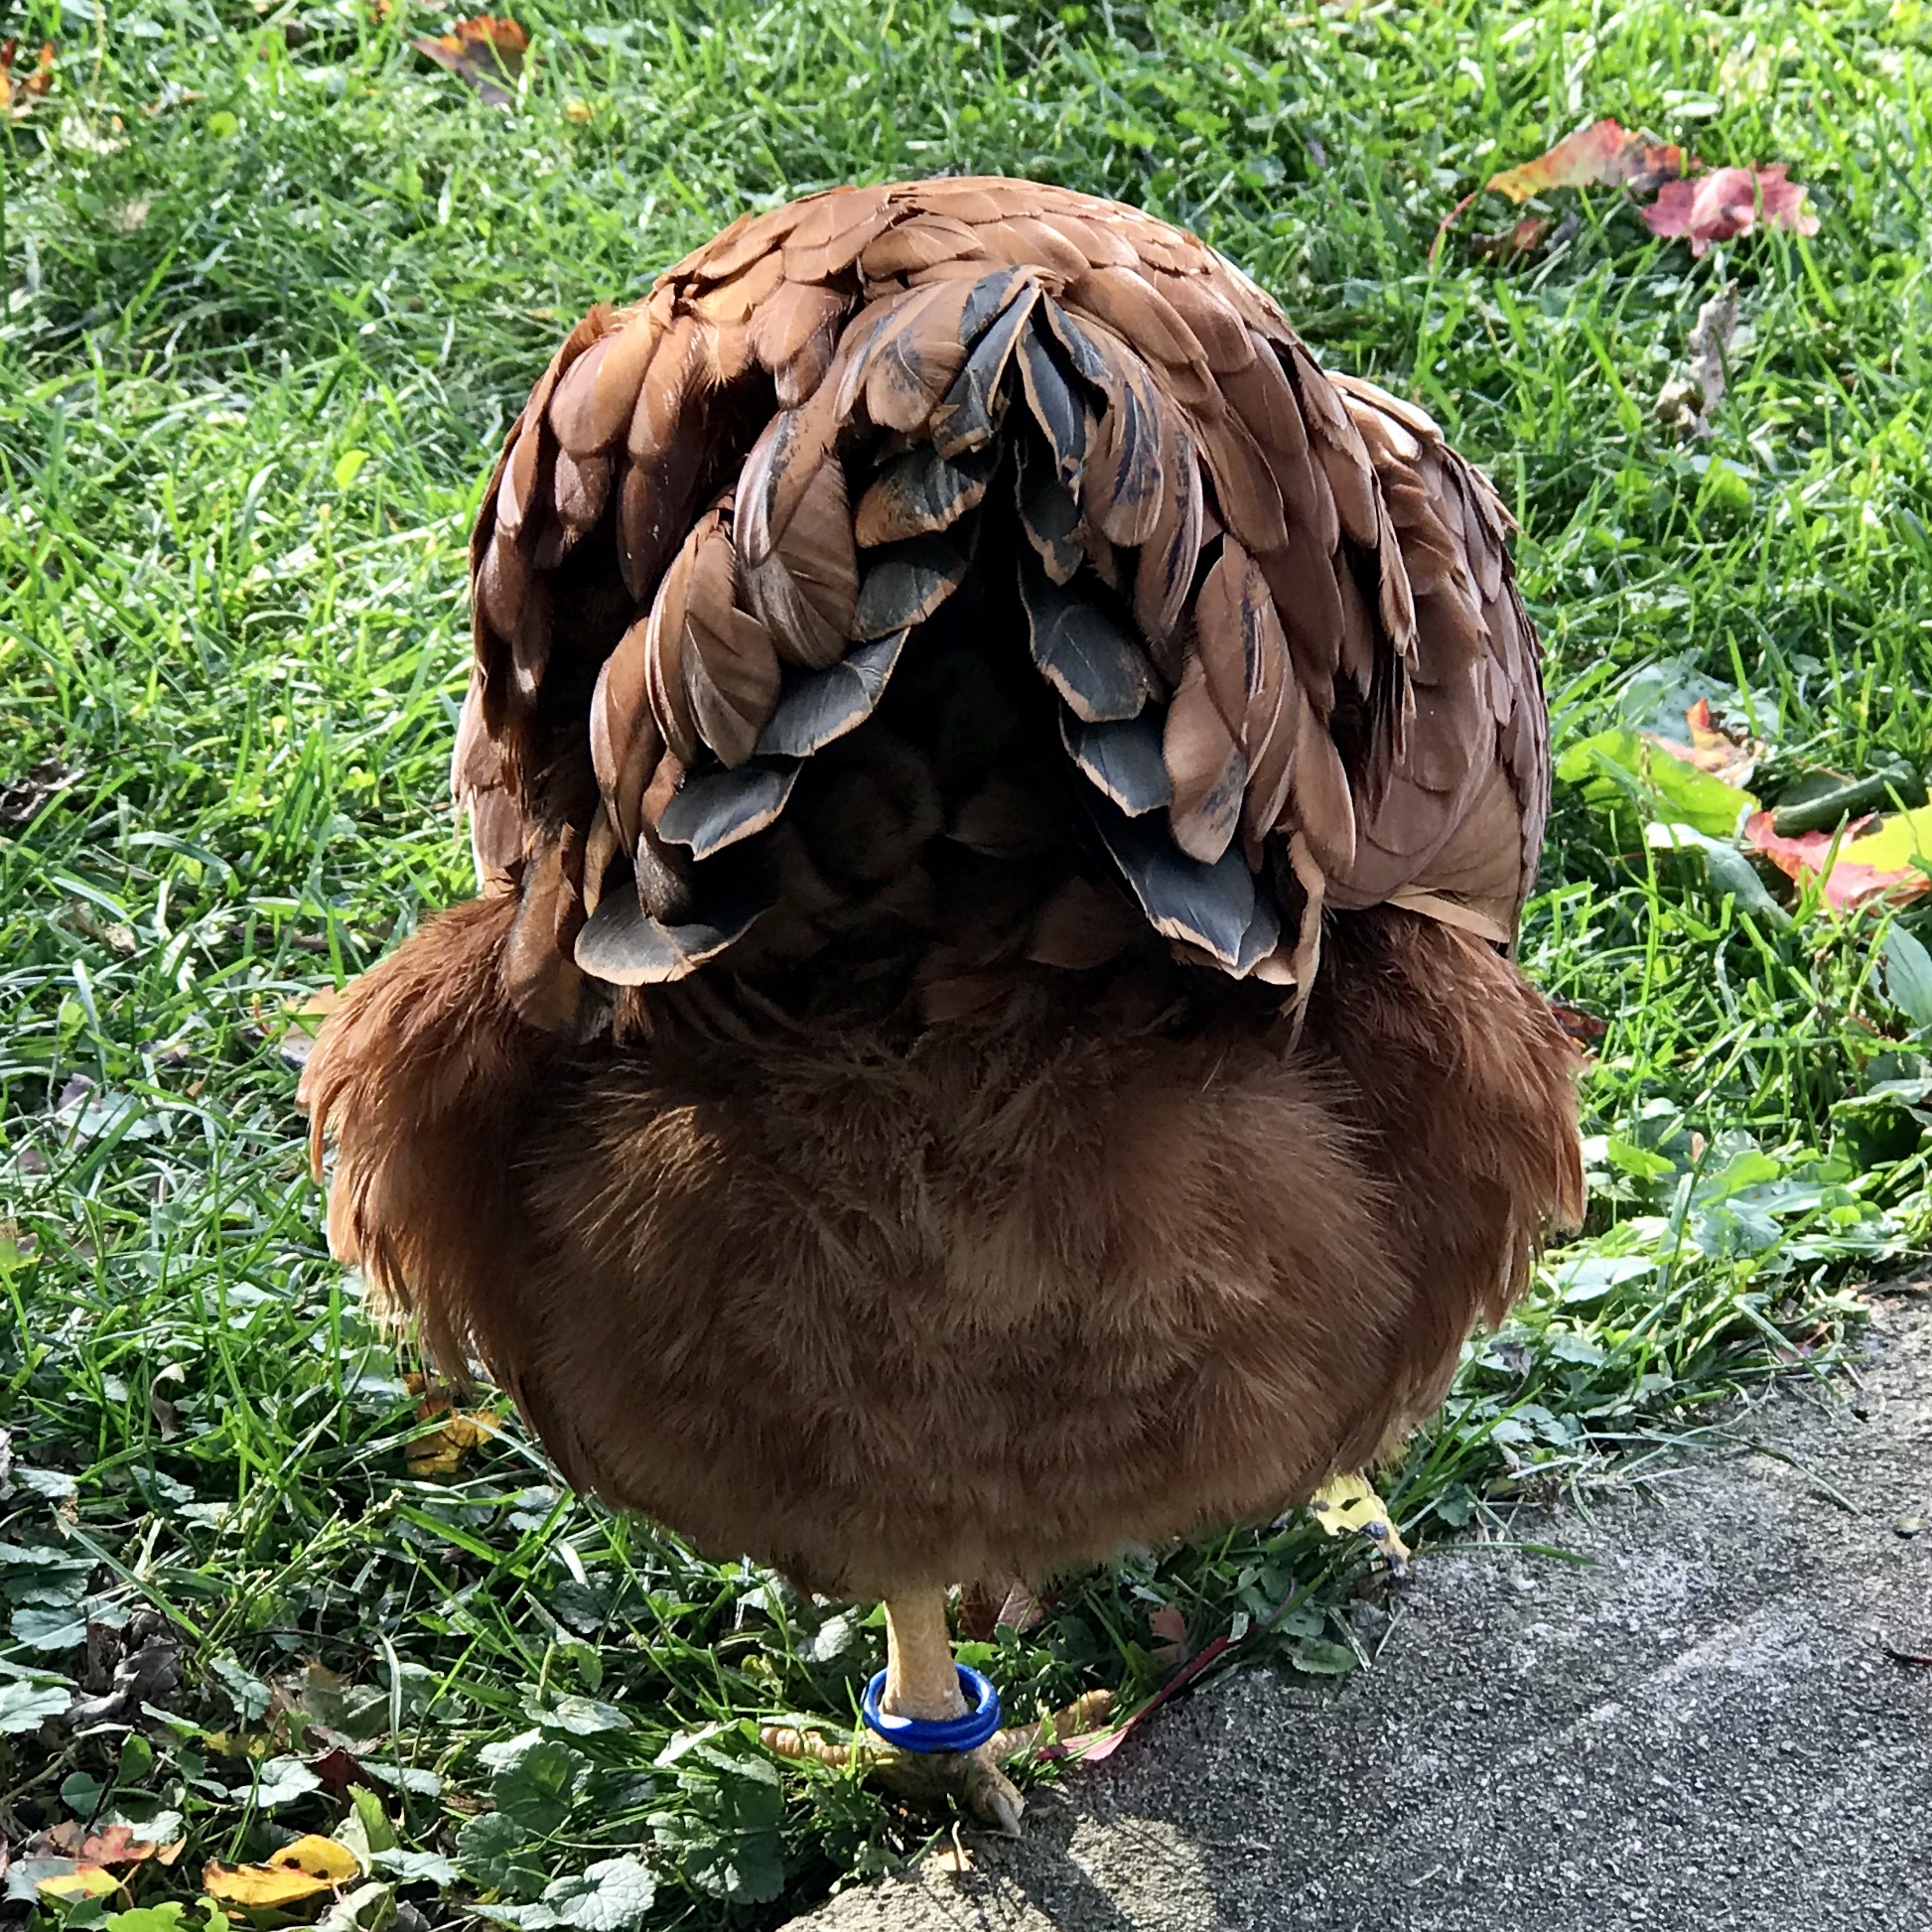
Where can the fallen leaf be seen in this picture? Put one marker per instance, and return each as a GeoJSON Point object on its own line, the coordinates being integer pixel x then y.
{"type": "Point", "coordinates": [22, 799]}
{"type": "Point", "coordinates": [83, 1882]}
{"type": "Point", "coordinates": [484, 53]}
{"type": "Point", "coordinates": [1686, 402]}
{"type": "Point", "coordinates": [1170, 1627]}
{"type": "Point", "coordinates": [441, 1451]}
{"type": "Point", "coordinates": [1518, 240]}
{"type": "Point", "coordinates": [17, 98]}
{"type": "Point", "coordinates": [115, 1845]}
{"type": "Point", "coordinates": [1621, 773]}
{"type": "Point", "coordinates": [1605, 155]}
{"type": "Point", "coordinates": [1586, 1029]}
{"type": "Point", "coordinates": [306, 1018]}
{"type": "Point", "coordinates": [1873, 863]}
{"type": "Point", "coordinates": [1727, 752]}
{"type": "Point", "coordinates": [577, 110]}
{"type": "Point", "coordinates": [1730, 202]}
{"type": "Point", "coordinates": [1348, 1505]}
{"type": "Point", "coordinates": [309, 1865]}
{"type": "Point", "coordinates": [339, 1769]}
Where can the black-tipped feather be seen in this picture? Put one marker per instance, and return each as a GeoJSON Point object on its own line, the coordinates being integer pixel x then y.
{"type": "Point", "coordinates": [817, 706]}
{"type": "Point", "coordinates": [714, 809]}
{"type": "Point", "coordinates": [1101, 672]}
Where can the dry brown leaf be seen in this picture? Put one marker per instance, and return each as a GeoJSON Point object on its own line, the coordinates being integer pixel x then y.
{"type": "Point", "coordinates": [1605, 155]}
{"type": "Point", "coordinates": [307, 1016]}
{"type": "Point", "coordinates": [1169, 1630]}
{"type": "Point", "coordinates": [1513, 241]}
{"type": "Point", "coordinates": [485, 52]}
{"type": "Point", "coordinates": [1729, 752]}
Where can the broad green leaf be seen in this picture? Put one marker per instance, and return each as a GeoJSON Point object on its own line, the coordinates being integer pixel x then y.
{"type": "Point", "coordinates": [1908, 975]}
{"type": "Point", "coordinates": [1323, 1658]}
{"type": "Point", "coordinates": [1625, 771]}
{"type": "Point", "coordinates": [494, 1851]}
{"type": "Point", "coordinates": [611, 1895]}
{"type": "Point", "coordinates": [535, 1780]}
{"type": "Point", "coordinates": [246, 1691]}
{"type": "Point", "coordinates": [727, 1841]}
{"type": "Point", "coordinates": [171, 1915]}
{"type": "Point", "coordinates": [282, 1780]}
{"type": "Point", "coordinates": [378, 1835]}
{"type": "Point", "coordinates": [25, 1707]}
{"type": "Point", "coordinates": [576, 1716]}
{"type": "Point", "coordinates": [43, 1629]}
{"type": "Point", "coordinates": [411, 1866]}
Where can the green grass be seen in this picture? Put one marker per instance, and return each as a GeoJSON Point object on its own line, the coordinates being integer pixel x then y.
{"type": "Point", "coordinates": [271, 287]}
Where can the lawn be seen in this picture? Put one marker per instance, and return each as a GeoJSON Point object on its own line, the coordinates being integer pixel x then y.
{"type": "Point", "coordinates": [273, 284]}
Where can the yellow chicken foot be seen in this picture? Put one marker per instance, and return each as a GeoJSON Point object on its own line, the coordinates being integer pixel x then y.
{"type": "Point", "coordinates": [923, 1683]}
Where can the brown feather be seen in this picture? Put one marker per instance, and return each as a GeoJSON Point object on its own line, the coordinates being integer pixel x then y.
{"type": "Point", "coordinates": [594, 403]}
{"type": "Point", "coordinates": [664, 646]}
{"type": "Point", "coordinates": [626, 743]}
{"type": "Point", "coordinates": [915, 244]}
{"type": "Point", "coordinates": [660, 395]}
{"type": "Point", "coordinates": [1206, 768]}
{"type": "Point", "coordinates": [785, 324]}
{"type": "Point", "coordinates": [583, 486]}
{"type": "Point", "coordinates": [1135, 311]}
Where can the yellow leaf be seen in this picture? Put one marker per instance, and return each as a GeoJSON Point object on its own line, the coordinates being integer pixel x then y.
{"type": "Point", "coordinates": [441, 1451]}
{"type": "Point", "coordinates": [83, 1881]}
{"type": "Point", "coordinates": [1349, 1505]}
{"type": "Point", "coordinates": [1900, 840]}
{"type": "Point", "coordinates": [321, 1858]}
{"type": "Point", "coordinates": [300, 1870]}
{"type": "Point", "coordinates": [577, 110]}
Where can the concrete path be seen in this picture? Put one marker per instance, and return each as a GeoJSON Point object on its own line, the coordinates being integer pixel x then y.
{"type": "Point", "coordinates": [1700, 1729]}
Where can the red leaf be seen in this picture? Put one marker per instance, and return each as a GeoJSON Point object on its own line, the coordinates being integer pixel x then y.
{"type": "Point", "coordinates": [1607, 155]}
{"type": "Point", "coordinates": [1174, 1685]}
{"type": "Point", "coordinates": [1515, 241]}
{"type": "Point", "coordinates": [1730, 202]}
{"type": "Point", "coordinates": [1804, 856]}
{"type": "Point", "coordinates": [116, 1844]}
{"type": "Point", "coordinates": [486, 52]}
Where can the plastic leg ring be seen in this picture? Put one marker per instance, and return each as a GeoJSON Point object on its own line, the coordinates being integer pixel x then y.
{"type": "Point", "coordinates": [964, 1734]}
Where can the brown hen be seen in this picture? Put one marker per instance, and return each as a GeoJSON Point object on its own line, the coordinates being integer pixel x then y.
{"type": "Point", "coordinates": [1001, 795]}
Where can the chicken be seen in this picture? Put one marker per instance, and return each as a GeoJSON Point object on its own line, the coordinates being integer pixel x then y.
{"type": "Point", "coordinates": [1002, 797]}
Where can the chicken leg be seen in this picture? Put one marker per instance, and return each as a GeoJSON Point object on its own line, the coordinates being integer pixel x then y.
{"type": "Point", "coordinates": [921, 1682]}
